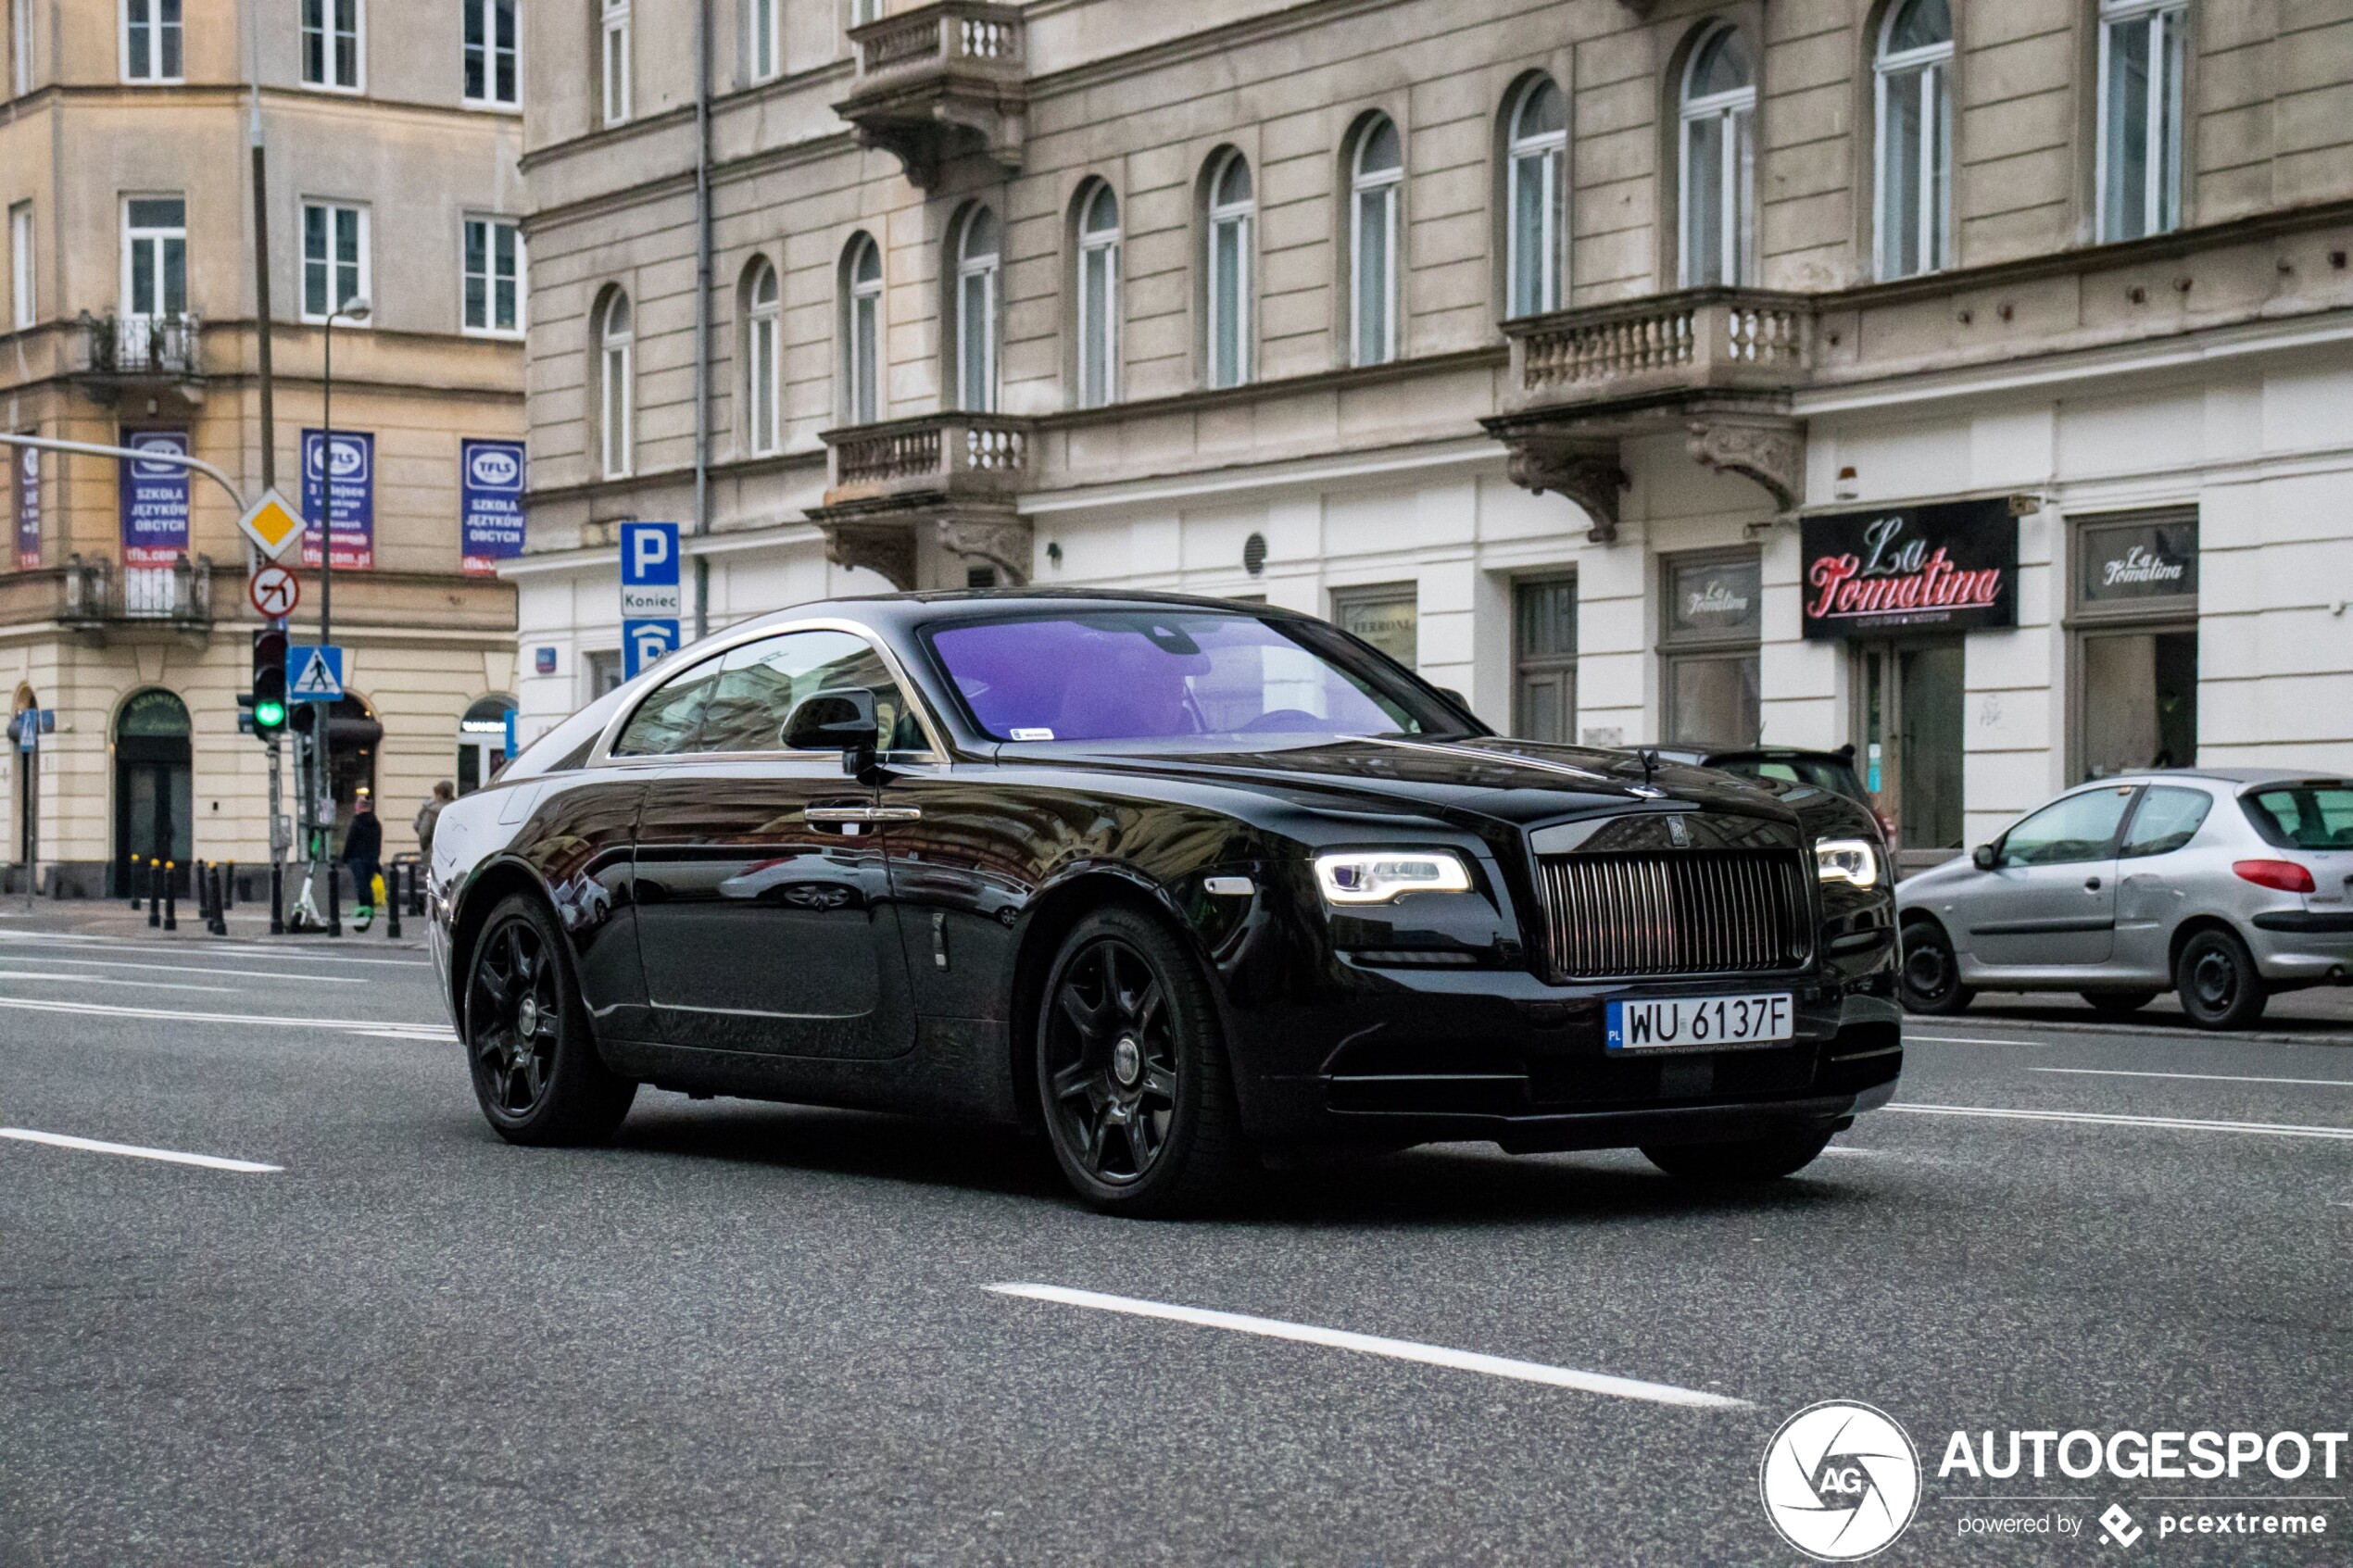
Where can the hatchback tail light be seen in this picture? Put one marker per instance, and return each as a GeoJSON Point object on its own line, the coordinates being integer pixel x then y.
{"type": "Point", "coordinates": [2286, 875]}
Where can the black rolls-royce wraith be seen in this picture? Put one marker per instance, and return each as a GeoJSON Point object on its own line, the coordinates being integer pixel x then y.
{"type": "Point", "coordinates": [1173, 880]}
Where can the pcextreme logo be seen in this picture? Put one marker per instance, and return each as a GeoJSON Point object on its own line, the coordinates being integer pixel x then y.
{"type": "Point", "coordinates": [1839, 1480]}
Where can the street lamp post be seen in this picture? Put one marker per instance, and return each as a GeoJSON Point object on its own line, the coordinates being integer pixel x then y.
{"type": "Point", "coordinates": [322, 799]}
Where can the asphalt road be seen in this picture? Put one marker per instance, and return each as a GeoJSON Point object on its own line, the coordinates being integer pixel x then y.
{"type": "Point", "coordinates": [757, 1334]}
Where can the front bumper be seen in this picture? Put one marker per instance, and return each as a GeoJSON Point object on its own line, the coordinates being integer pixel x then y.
{"type": "Point", "coordinates": [1502, 1056]}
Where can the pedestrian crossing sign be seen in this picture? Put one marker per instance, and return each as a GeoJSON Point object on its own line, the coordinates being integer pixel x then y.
{"type": "Point", "coordinates": [314, 673]}
{"type": "Point", "coordinates": [271, 524]}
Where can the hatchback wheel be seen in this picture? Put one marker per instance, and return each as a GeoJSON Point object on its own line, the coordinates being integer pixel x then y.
{"type": "Point", "coordinates": [1931, 978]}
{"type": "Point", "coordinates": [1132, 1074]}
{"type": "Point", "coordinates": [535, 1067]}
{"type": "Point", "coordinates": [1750, 1159]}
{"type": "Point", "coordinates": [2218, 982]}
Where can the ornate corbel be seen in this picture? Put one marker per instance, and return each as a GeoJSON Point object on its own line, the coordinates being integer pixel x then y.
{"type": "Point", "coordinates": [887, 549]}
{"type": "Point", "coordinates": [1001, 539]}
{"type": "Point", "coordinates": [1767, 448]}
{"type": "Point", "coordinates": [1586, 471]}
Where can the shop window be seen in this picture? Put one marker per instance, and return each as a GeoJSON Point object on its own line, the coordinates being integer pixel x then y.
{"type": "Point", "coordinates": [1544, 660]}
{"type": "Point", "coordinates": [1386, 615]}
{"type": "Point", "coordinates": [1910, 696]}
{"type": "Point", "coordinates": [2135, 635]}
{"type": "Point", "coordinates": [1707, 649]}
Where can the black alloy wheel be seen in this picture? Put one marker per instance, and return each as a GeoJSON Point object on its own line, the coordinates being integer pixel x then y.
{"type": "Point", "coordinates": [2118, 1004]}
{"type": "Point", "coordinates": [1931, 978]}
{"type": "Point", "coordinates": [535, 1067]}
{"type": "Point", "coordinates": [1132, 1074]}
{"type": "Point", "coordinates": [1750, 1159]}
{"type": "Point", "coordinates": [2218, 985]}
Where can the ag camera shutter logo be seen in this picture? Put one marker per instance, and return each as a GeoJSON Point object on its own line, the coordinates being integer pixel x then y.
{"type": "Point", "coordinates": [1840, 1481]}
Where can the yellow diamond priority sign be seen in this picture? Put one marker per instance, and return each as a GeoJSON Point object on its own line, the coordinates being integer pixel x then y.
{"type": "Point", "coordinates": [271, 524]}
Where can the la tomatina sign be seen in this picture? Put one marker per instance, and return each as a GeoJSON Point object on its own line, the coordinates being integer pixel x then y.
{"type": "Point", "coordinates": [1951, 566]}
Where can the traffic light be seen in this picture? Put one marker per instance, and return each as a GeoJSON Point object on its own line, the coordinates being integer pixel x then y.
{"type": "Point", "coordinates": [269, 694]}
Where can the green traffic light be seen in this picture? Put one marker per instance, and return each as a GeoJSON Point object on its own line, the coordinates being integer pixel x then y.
{"type": "Point", "coordinates": [269, 715]}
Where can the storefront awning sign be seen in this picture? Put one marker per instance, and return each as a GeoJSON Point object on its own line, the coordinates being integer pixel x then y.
{"type": "Point", "coordinates": [1951, 566]}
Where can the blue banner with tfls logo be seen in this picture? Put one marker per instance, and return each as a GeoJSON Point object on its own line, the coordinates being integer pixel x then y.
{"type": "Point", "coordinates": [490, 481]}
{"type": "Point", "coordinates": [344, 512]}
{"type": "Point", "coordinates": [154, 499]}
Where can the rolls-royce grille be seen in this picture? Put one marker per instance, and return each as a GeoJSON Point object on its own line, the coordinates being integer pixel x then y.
{"type": "Point", "coordinates": [1703, 911]}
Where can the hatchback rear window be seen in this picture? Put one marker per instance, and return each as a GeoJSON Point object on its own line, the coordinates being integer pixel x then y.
{"type": "Point", "coordinates": [2317, 815]}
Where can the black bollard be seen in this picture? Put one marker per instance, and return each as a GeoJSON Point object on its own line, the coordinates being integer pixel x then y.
{"type": "Point", "coordinates": [391, 903]}
{"type": "Point", "coordinates": [277, 897]}
{"type": "Point", "coordinates": [229, 887]}
{"type": "Point", "coordinates": [171, 911]}
{"type": "Point", "coordinates": [219, 917]}
{"type": "Point", "coordinates": [334, 897]}
{"type": "Point", "coordinates": [155, 891]}
{"type": "Point", "coordinates": [132, 876]}
{"type": "Point", "coordinates": [201, 892]}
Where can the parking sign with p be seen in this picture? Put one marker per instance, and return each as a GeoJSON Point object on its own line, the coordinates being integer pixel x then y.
{"type": "Point", "coordinates": [651, 600]}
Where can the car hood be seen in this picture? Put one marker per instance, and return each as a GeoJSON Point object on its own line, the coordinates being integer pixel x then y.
{"type": "Point", "coordinates": [1523, 782]}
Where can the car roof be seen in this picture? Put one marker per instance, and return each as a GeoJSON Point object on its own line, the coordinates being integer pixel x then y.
{"type": "Point", "coordinates": [915, 609]}
{"type": "Point", "coordinates": [2242, 776]}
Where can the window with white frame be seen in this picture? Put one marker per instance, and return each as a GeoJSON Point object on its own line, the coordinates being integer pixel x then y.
{"type": "Point", "coordinates": [1375, 173]}
{"type": "Point", "coordinates": [494, 78]}
{"type": "Point", "coordinates": [494, 264]}
{"type": "Point", "coordinates": [764, 43]}
{"type": "Point", "coordinates": [615, 389]}
{"type": "Point", "coordinates": [19, 47]}
{"type": "Point", "coordinates": [1097, 297]}
{"type": "Point", "coordinates": [151, 40]}
{"type": "Point", "coordinates": [614, 55]}
{"type": "Point", "coordinates": [155, 257]}
{"type": "Point", "coordinates": [865, 11]}
{"type": "Point", "coordinates": [1915, 150]}
{"type": "Point", "coordinates": [21, 264]}
{"type": "Point", "coordinates": [1716, 235]}
{"type": "Point", "coordinates": [2143, 48]}
{"type": "Point", "coordinates": [1232, 209]}
{"type": "Point", "coordinates": [335, 258]}
{"type": "Point", "coordinates": [762, 316]}
{"type": "Point", "coordinates": [863, 329]}
{"type": "Point", "coordinates": [330, 45]}
{"type": "Point", "coordinates": [977, 262]}
{"type": "Point", "coordinates": [1538, 149]}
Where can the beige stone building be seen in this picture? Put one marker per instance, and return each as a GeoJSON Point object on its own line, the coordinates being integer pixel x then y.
{"type": "Point", "coordinates": [393, 138]}
{"type": "Point", "coordinates": [1965, 381]}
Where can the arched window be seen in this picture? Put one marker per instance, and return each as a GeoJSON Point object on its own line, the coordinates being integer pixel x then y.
{"type": "Point", "coordinates": [762, 304]}
{"type": "Point", "coordinates": [1915, 153]}
{"type": "Point", "coordinates": [1375, 174]}
{"type": "Point", "coordinates": [861, 330]}
{"type": "Point", "coordinates": [1537, 149]}
{"type": "Point", "coordinates": [1097, 296]}
{"type": "Point", "coordinates": [978, 261]}
{"type": "Point", "coordinates": [1718, 166]}
{"type": "Point", "coordinates": [615, 384]}
{"type": "Point", "coordinates": [1231, 208]}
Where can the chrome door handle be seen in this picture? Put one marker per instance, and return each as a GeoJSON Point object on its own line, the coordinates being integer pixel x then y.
{"type": "Point", "coordinates": [863, 813]}
{"type": "Point", "coordinates": [2090, 884]}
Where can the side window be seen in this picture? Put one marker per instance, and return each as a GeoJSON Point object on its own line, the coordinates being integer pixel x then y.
{"type": "Point", "coordinates": [761, 681]}
{"type": "Point", "coordinates": [666, 721]}
{"type": "Point", "coordinates": [2080, 827]}
{"type": "Point", "coordinates": [2166, 820]}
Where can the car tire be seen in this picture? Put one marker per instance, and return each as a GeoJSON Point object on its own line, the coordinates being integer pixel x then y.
{"type": "Point", "coordinates": [1750, 1159]}
{"type": "Point", "coordinates": [535, 1069]}
{"type": "Point", "coordinates": [1133, 1079]}
{"type": "Point", "coordinates": [2217, 980]}
{"type": "Point", "coordinates": [2118, 1004]}
{"type": "Point", "coordinates": [1930, 980]}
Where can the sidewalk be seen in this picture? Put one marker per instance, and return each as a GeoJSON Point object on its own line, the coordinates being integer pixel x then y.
{"type": "Point", "coordinates": [107, 917]}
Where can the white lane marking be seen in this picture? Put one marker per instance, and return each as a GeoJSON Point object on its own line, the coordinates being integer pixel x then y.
{"type": "Point", "coordinates": [207, 947]}
{"type": "Point", "coordinates": [2200, 1077]}
{"type": "Point", "coordinates": [191, 969]}
{"type": "Point", "coordinates": [109, 979]}
{"type": "Point", "coordinates": [391, 1028]}
{"type": "Point", "coordinates": [2104, 1118]}
{"type": "Point", "coordinates": [172, 1156]}
{"type": "Point", "coordinates": [1374, 1345]}
{"type": "Point", "coordinates": [1974, 1040]}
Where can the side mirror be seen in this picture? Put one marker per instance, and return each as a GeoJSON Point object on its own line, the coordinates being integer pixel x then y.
{"type": "Point", "coordinates": [1983, 858]}
{"type": "Point", "coordinates": [839, 719]}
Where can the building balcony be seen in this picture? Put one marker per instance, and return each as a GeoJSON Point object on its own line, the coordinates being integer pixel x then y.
{"type": "Point", "coordinates": [122, 353]}
{"type": "Point", "coordinates": [954, 475]}
{"type": "Point", "coordinates": [95, 595]}
{"type": "Point", "coordinates": [1718, 364]}
{"type": "Point", "coordinates": [942, 81]}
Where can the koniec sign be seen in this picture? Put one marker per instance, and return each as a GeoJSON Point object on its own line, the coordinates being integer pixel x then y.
{"type": "Point", "coordinates": [1948, 567]}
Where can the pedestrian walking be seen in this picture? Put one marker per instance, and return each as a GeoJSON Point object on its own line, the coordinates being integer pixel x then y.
{"type": "Point", "coordinates": [363, 845]}
{"type": "Point", "coordinates": [429, 813]}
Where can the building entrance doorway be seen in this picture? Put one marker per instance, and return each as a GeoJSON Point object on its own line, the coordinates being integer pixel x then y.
{"type": "Point", "coordinates": [154, 788]}
{"type": "Point", "coordinates": [482, 742]}
{"type": "Point", "coordinates": [1910, 724]}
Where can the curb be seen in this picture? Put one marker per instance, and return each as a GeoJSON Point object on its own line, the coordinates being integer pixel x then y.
{"type": "Point", "coordinates": [2174, 1030]}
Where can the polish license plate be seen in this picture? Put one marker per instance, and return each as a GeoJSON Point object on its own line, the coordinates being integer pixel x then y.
{"type": "Point", "coordinates": [1663, 1023]}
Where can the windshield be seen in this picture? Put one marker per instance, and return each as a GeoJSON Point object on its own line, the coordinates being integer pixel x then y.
{"type": "Point", "coordinates": [1178, 673]}
{"type": "Point", "coordinates": [2317, 815]}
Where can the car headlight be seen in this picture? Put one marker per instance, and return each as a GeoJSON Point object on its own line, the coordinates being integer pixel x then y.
{"type": "Point", "coordinates": [1846, 859]}
{"type": "Point", "coordinates": [1376, 876]}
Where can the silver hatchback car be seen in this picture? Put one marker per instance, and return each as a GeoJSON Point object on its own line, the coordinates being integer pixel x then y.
{"type": "Point", "coordinates": [2224, 885]}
